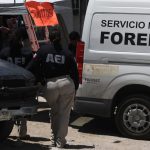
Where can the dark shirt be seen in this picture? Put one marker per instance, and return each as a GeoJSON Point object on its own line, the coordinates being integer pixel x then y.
{"type": "Point", "coordinates": [50, 62]}
{"type": "Point", "coordinates": [21, 59]}
{"type": "Point", "coordinates": [72, 48]}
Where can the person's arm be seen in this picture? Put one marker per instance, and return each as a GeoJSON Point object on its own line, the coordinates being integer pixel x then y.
{"type": "Point", "coordinates": [74, 71]}
{"type": "Point", "coordinates": [35, 61]}
{"type": "Point", "coordinates": [4, 29]}
{"type": "Point", "coordinates": [4, 53]}
{"type": "Point", "coordinates": [34, 66]}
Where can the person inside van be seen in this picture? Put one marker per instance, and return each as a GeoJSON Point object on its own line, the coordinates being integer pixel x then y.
{"type": "Point", "coordinates": [74, 37]}
{"type": "Point", "coordinates": [8, 25]}
{"type": "Point", "coordinates": [18, 51]}
{"type": "Point", "coordinates": [4, 36]}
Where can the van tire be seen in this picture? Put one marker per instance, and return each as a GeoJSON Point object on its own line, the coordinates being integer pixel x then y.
{"type": "Point", "coordinates": [5, 129]}
{"type": "Point", "coordinates": [133, 117]}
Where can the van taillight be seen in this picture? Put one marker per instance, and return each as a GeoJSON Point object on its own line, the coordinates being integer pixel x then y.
{"type": "Point", "coordinates": [79, 58]}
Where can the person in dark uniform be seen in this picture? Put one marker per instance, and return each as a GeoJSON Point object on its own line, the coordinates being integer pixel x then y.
{"type": "Point", "coordinates": [4, 32]}
{"type": "Point", "coordinates": [59, 71]}
{"type": "Point", "coordinates": [74, 37]}
{"type": "Point", "coordinates": [19, 54]}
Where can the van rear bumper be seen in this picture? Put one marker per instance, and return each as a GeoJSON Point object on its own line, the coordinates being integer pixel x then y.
{"type": "Point", "coordinates": [99, 107]}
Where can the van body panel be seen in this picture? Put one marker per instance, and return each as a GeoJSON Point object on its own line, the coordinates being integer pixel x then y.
{"type": "Point", "coordinates": [117, 50]}
{"type": "Point", "coordinates": [102, 81]}
{"type": "Point", "coordinates": [99, 107]}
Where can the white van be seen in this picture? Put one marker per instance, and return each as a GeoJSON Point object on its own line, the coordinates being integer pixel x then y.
{"type": "Point", "coordinates": [114, 64]}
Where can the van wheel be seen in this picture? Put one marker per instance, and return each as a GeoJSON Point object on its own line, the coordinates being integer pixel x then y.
{"type": "Point", "coordinates": [133, 117]}
{"type": "Point", "coordinates": [5, 129]}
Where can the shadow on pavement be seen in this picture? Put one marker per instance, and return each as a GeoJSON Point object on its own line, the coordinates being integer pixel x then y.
{"type": "Point", "coordinates": [33, 139]}
{"type": "Point", "coordinates": [10, 144]}
{"type": "Point", "coordinates": [96, 125]}
{"type": "Point", "coordinates": [79, 147]}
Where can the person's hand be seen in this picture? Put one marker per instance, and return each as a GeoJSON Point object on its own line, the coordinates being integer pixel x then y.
{"type": "Point", "coordinates": [4, 29]}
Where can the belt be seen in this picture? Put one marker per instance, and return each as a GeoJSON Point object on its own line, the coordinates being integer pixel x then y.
{"type": "Point", "coordinates": [59, 77]}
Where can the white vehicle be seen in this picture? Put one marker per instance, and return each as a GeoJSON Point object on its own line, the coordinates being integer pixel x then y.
{"type": "Point", "coordinates": [114, 64]}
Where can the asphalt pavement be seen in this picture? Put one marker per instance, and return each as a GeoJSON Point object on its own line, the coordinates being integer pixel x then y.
{"type": "Point", "coordinates": [85, 132]}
